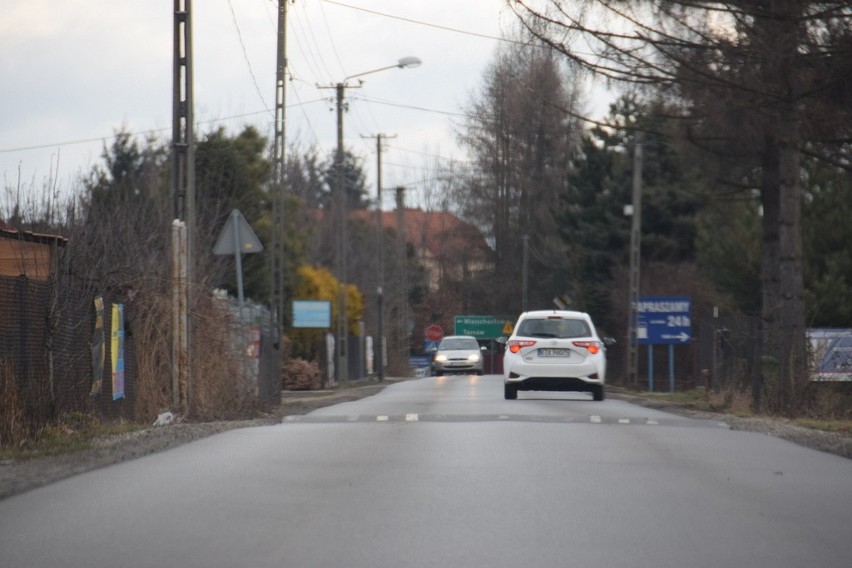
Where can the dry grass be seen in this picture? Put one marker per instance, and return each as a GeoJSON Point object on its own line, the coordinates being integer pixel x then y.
{"type": "Point", "coordinates": [826, 407]}
{"type": "Point", "coordinates": [153, 390]}
{"type": "Point", "coordinates": [13, 425]}
{"type": "Point", "coordinates": [224, 381]}
{"type": "Point", "coordinates": [222, 384]}
{"type": "Point", "coordinates": [71, 433]}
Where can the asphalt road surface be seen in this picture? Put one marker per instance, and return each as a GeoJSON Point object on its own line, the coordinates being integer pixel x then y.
{"type": "Point", "coordinates": [442, 472]}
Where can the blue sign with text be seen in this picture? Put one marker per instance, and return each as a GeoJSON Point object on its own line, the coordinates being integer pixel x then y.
{"type": "Point", "coordinates": [663, 321]}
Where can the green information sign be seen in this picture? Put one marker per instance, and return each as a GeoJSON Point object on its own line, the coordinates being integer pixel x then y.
{"type": "Point", "coordinates": [482, 327]}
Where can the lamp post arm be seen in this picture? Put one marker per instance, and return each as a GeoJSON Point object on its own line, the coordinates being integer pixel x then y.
{"type": "Point", "coordinates": [369, 72]}
{"type": "Point", "coordinates": [404, 63]}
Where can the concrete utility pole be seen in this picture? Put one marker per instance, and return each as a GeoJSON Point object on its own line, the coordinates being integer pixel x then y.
{"type": "Point", "coordinates": [342, 207]}
{"type": "Point", "coordinates": [402, 334]}
{"type": "Point", "coordinates": [278, 165]}
{"type": "Point", "coordinates": [183, 200]}
{"type": "Point", "coordinates": [525, 272]}
{"type": "Point", "coordinates": [635, 249]}
{"type": "Point", "coordinates": [378, 345]}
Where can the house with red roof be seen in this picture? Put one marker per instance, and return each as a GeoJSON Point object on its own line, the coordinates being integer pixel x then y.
{"type": "Point", "coordinates": [447, 246]}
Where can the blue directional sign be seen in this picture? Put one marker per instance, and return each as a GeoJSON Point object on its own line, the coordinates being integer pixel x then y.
{"type": "Point", "coordinates": [663, 320]}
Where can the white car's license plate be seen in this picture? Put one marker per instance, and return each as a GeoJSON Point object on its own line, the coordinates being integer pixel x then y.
{"type": "Point", "coordinates": [554, 352]}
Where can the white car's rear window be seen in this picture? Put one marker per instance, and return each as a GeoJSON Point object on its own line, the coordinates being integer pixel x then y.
{"type": "Point", "coordinates": [561, 328]}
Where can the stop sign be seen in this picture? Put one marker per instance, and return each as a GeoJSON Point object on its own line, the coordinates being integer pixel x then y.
{"type": "Point", "coordinates": [434, 332]}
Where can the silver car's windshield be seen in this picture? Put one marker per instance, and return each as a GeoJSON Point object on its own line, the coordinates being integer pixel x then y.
{"type": "Point", "coordinates": [561, 328]}
{"type": "Point", "coordinates": [453, 344]}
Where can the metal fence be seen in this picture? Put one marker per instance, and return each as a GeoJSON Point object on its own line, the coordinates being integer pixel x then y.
{"type": "Point", "coordinates": [45, 348]}
{"type": "Point", "coordinates": [722, 354]}
{"type": "Point", "coordinates": [729, 351]}
{"type": "Point", "coordinates": [50, 357]}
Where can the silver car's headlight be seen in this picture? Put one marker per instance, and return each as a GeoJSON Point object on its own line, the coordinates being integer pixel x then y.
{"type": "Point", "coordinates": [441, 358]}
{"type": "Point", "coordinates": [473, 357]}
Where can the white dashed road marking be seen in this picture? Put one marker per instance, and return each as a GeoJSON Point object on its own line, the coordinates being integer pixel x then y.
{"type": "Point", "coordinates": [415, 417]}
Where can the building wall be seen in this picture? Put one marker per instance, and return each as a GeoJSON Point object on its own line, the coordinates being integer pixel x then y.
{"type": "Point", "coordinates": [19, 257]}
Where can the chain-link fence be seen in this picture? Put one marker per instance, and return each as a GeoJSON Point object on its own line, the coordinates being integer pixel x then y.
{"type": "Point", "coordinates": [65, 350]}
{"type": "Point", "coordinates": [47, 351]}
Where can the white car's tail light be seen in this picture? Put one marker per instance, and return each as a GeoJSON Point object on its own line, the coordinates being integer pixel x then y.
{"type": "Point", "coordinates": [516, 345]}
{"type": "Point", "coordinates": [591, 346]}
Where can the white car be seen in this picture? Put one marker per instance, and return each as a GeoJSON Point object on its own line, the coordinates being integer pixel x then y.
{"type": "Point", "coordinates": [554, 350]}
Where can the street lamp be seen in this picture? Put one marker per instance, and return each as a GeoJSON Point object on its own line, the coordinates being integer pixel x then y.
{"type": "Point", "coordinates": [341, 366]}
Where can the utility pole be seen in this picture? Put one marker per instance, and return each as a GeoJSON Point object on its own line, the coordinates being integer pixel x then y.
{"type": "Point", "coordinates": [341, 211]}
{"type": "Point", "coordinates": [183, 203]}
{"type": "Point", "coordinates": [278, 165]}
{"type": "Point", "coordinates": [635, 249]}
{"type": "Point", "coordinates": [525, 272]}
{"type": "Point", "coordinates": [343, 269]}
{"type": "Point", "coordinates": [378, 345]}
{"type": "Point", "coordinates": [341, 214]}
{"type": "Point", "coordinates": [402, 334]}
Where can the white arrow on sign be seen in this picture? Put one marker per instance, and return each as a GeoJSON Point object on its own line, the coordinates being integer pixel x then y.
{"type": "Point", "coordinates": [682, 336]}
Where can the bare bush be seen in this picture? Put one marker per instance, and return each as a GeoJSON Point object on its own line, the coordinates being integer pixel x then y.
{"type": "Point", "coordinates": [299, 374]}
{"type": "Point", "coordinates": [223, 384]}
{"type": "Point", "coordinates": [302, 375]}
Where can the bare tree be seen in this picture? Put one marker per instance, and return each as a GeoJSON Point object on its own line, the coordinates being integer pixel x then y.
{"type": "Point", "coordinates": [521, 133]}
{"type": "Point", "coordinates": [759, 83]}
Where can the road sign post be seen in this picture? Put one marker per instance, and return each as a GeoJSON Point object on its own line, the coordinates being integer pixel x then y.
{"type": "Point", "coordinates": [663, 320]}
{"type": "Point", "coordinates": [434, 334]}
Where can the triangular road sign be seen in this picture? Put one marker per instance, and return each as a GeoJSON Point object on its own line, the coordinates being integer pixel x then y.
{"type": "Point", "coordinates": [249, 242]}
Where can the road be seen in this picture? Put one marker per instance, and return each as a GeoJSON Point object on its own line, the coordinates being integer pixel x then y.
{"type": "Point", "coordinates": [444, 472]}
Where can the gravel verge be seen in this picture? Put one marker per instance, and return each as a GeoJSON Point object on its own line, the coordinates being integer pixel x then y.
{"type": "Point", "coordinates": [19, 476]}
{"type": "Point", "coordinates": [831, 442]}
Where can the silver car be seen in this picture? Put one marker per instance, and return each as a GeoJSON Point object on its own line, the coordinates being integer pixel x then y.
{"type": "Point", "coordinates": [458, 354]}
{"type": "Point", "coordinates": [554, 350]}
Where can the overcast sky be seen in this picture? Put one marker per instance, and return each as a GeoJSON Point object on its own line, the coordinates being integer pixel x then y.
{"type": "Point", "coordinates": [75, 71]}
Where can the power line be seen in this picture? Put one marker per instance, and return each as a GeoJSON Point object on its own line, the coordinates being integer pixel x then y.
{"type": "Point", "coordinates": [246, 57]}
{"type": "Point", "coordinates": [331, 37]}
{"type": "Point", "coordinates": [427, 24]}
{"type": "Point", "coordinates": [310, 41]}
{"type": "Point", "coordinates": [411, 107]}
{"type": "Point", "coordinates": [149, 131]}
